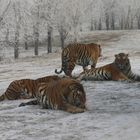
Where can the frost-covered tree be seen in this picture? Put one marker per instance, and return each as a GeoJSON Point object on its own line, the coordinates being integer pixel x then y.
{"type": "Point", "coordinates": [91, 6]}
{"type": "Point", "coordinates": [5, 5]}
{"type": "Point", "coordinates": [26, 22]}
{"type": "Point", "coordinates": [110, 10]}
{"type": "Point", "coordinates": [35, 12]}
{"type": "Point", "coordinates": [3, 11]}
{"type": "Point", "coordinates": [17, 16]}
{"type": "Point", "coordinates": [100, 24]}
{"type": "Point", "coordinates": [138, 18]}
{"type": "Point", "coordinates": [75, 11]}
{"type": "Point", "coordinates": [63, 32]}
{"type": "Point", "coordinates": [38, 21]}
{"type": "Point", "coordinates": [48, 14]}
{"type": "Point", "coordinates": [63, 23]}
{"type": "Point", "coordinates": [94, 14]}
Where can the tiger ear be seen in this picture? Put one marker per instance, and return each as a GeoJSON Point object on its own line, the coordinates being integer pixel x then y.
{"type": "Point", "coordinates": [116, 55]}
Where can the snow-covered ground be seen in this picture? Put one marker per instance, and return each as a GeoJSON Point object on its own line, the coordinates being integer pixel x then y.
{"type": "Point", "coordinates": [113, 107]}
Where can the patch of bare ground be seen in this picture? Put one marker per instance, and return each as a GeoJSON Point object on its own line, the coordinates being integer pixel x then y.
{"type": "Point", "coordinates": [113, 107]}
{"type": "Point", "coordinates": [103, 38]}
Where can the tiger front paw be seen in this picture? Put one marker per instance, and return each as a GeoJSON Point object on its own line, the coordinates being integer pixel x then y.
{"type": "Point", "coordinates": [22, 104]}
{"type": "Point", "coordinates": [76, 110]}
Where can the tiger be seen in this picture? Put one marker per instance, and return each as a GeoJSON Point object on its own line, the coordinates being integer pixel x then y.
{"type": "Point", "coordinates": [119, 70]}
{"type": "Point", "coordinates": [80, 54]}
{"type": "Point", "coordinates": [65, 94]}
{"type": "Point", "coordinates": [25, 88]}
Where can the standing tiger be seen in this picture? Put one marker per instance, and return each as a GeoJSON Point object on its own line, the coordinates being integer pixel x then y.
{"type": "Point", "coordinates": [120, 69]}
{"type": "Point", "coordinates": [80, 54]}
{"type": "Point", "coordinates": [25, 88]}
{"type": "Point", "coordinates": [65, 94]}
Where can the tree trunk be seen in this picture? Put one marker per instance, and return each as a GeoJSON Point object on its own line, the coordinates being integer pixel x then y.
{"type": "Point", "coordinates": [7, 37]}
{"type": "Point", "coordinates": [25, 39]}
{"type": "Point", "coordinates": [26, 45]}
{"type": "Point", "coordinates": [100, 24]}
{"type": "Point", "coordinates": [91, 25]}
{"type": "Point", "coordinates": [138, 22]}
{"type": "Point", "coordinates": [36, 39]}
{"type": "Point", "coordinates": [16, 47]}
{"type": "Point", "coordinates": [122, 22]}
{"type": "Point", "coordinates": [132, 21]}
{"type": "Point", "coordinates": [63, 35]}
{"type": "Point", "coordinates": [95, 25]}
{"type": "Point", "coordinates": [62, 42]}
{"type": "Point", "coordinates": [107, 21]}
{"type": "Point", "coordinates": [112, 21]}
{"type": "Point", "coordinates": [36, 44]}
{"type": "Point", "coordinates": [50, 40]}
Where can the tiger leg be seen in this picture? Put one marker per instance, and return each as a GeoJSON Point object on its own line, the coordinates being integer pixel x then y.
{"type": "Point", "coordinates": [133, 76]}
{"type": "Point", "coordinates": [85, 68]}
{"type": "Point", "coordinates": [120, 77]}
{"type": "Point", "coordinates": [93, 66]}
{"type": "Point", "coordinates": [2, 97]}
{"type": "Point", "coordinates": [33, 102]}
{"type": "Point", "coordinates": [25, 96]}
{"type": "Point", "coordinates": [12, 95]}
{"type": "Point", "coordinates": [80, 76]}
{"type": "Point", "coordinates": [73, 109]}
{"type": "Point", "coordinates": [14, 91]}
{"type": "Point", "coordinates": [17, 95]}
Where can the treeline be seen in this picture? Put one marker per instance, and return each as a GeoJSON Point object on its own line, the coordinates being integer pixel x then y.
{"type": "Point", "coordinates": [32, 21]}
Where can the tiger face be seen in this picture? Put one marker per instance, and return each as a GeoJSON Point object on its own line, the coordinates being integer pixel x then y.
{"type": "Point", "coordinates": [122, 61]}
{"type": "Point", "coordinates": [68, 69]}
{"type": "Point", "coordinates": [76, 96]}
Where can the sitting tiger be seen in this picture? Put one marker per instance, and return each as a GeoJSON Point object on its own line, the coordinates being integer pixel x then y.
{"type": "Point", "coordinates": [80, 54]}
{"type": "Point", "coordinates": [25, 88]}
{"type": "Point", "coordinates": [120, 69]}
{"type": "Point", "coordinates": [65, 94]}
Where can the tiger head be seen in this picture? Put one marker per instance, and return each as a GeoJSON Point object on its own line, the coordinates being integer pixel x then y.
{"type": "Point", "coordinates": [75, 95]}
{"type": "Point", "coordinates": [68, 69]}
{"type": "Point", "coordinates": [122, 61]}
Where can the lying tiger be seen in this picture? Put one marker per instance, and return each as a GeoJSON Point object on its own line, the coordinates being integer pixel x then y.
{"type": "Point", "coordinates": [80, 54]}
{"type": "Point", "coordinates": [65, 94]}
{"type": "Point", "coordinates": [120, 69]}
{"type": "Point", "coordinates": [25, 88]}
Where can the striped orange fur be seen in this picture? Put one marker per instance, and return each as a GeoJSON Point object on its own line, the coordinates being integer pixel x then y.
{"type": "Point", "coordinates": [25, 88]}
{"type": "Point", "coordinates": [119, 70]}
{"type": "Point", "coordinates": [80, 54]}
{"type": "Point", "coordinates": [65, 94]}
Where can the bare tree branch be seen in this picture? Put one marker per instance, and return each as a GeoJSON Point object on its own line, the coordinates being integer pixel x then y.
{"type": "Point", "coordinates": [4, 12]}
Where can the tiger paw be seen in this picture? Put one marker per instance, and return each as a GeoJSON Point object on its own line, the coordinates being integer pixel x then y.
{"type": "Point", "coordinates": [76, 110]}
{"type": "Point", "coordinates": [22, 104]}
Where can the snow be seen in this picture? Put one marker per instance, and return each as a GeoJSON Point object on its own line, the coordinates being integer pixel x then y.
{"type": "Point", "coordinates": [113, 107]}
